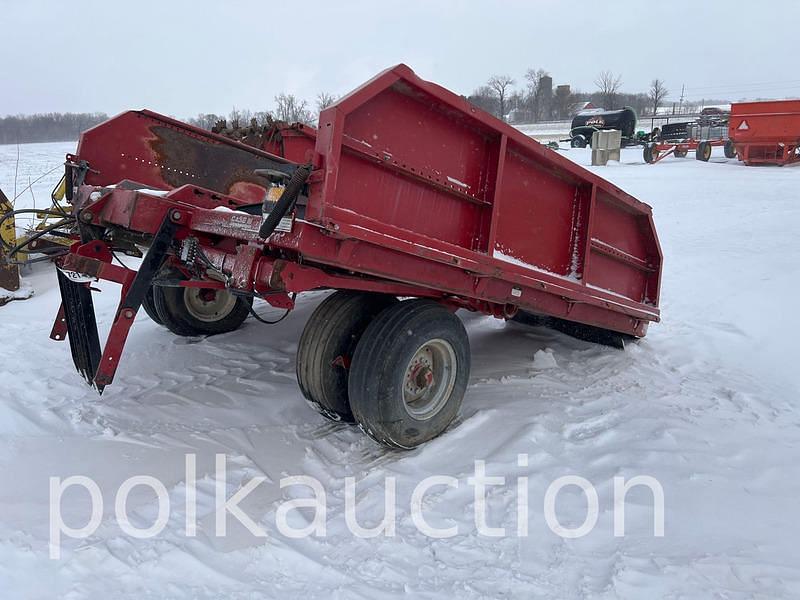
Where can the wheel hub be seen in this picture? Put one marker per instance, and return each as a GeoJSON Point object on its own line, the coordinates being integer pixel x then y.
{"type": "Point", "coordinates": [429, 379]}
{"type": "Point", "coordinates": [424, 377]}
{"type": "Point", "coordinates": [208, 305]}
{"type": "Point", "coordinates": [420, 376]}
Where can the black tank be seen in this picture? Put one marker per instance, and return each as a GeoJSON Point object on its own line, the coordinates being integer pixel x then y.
{"type": "Point", "coordinates": [623, 119]}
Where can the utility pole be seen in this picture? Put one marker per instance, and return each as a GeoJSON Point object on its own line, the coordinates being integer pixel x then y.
{"type": "Point", "coordinates": [680, 102]}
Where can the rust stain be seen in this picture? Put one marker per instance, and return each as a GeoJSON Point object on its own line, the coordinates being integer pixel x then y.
{"type": "Point", "coordinates": [186, 159]}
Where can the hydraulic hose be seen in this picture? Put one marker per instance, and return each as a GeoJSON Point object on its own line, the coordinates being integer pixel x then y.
{"type": "Point", "coordinates": [286, 201]}
{"type": "Point", "coordinates": [38, 211]}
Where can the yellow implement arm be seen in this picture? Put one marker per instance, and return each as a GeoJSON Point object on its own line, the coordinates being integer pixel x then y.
{"type": "Point", "coordinates": [9, 273]}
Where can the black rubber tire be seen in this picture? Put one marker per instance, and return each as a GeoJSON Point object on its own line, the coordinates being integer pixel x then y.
{"type": "Point", "coordinates": [578, 142]}
{"type": "Point", "coordinates": [379, 365]}
{"type": "Point", "coordinates": [327, 345]}
{"type": "Point", "coordinates": [703, 151]}
{"type": "Point", "coordinates": [149, 306]}
{"type": "Point", "coordinates": [171, 308]}
{"type": "Point", "coordinates": [680, 153]}
{"type": "Point", "coordinates": [648, 155]}
{"type": "Point", "coordinates": [730, 150]}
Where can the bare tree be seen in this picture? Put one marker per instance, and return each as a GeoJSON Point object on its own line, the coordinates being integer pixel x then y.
{"type": "Point", "coordinates": [243, 114]}
{"type": "Point", "coordinates": [538, 104]}
{"type": "Point", "coordinates": [484, 98]}
{"type": "Point", "coordinates": [237, 117]}
{"type": "Point", "coordinates": [500, 84]}
{"type": "Point", "coordinates": [657, 93]}
{"type": "Point", "coordinates": [324, 100]}
{"type": "Point", "coordinates": [517, 107]}
{"type": "Point", "coordinates": [608, 85]}
{"type": "Point", "coordinates": [205, 120]}
{"type": "Point", "coordinates": [262, 117]}
{"type": "Point", "coordinates": [292, 110]}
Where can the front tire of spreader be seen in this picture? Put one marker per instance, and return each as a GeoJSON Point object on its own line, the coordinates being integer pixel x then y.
{"type": "Point", "coordinates": [149, 306]}
{"type": "Point", "coordinates": [326, 348]}
{"type": "Point", "coordinates": [189, 311]}
{"type": "Point", "coordinates": [409, 373]}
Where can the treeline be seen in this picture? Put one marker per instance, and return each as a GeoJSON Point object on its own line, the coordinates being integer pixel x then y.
{"type": "Point", "coordinates": [288, 108]}
{"type": "Point", "coordinates": [532, 99]}
{"type": "Point", "coordinates": [64, 127]}
{"type": "Point", "coordinates": [48, 127]}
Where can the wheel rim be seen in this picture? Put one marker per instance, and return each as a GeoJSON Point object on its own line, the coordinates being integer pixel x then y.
{"type": "Point", "coordinates": [429, 379]}
{"type": "Point", "coordinates": [208, 305]}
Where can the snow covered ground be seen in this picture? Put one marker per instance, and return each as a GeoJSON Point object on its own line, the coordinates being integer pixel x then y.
{"type": "Point", "coordinates": [707, 404]}
{"type": "Point", "coordinates": [546, 132]}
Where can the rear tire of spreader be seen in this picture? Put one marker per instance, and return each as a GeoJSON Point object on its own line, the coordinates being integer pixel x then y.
{"type": "Point", "coordinates": [730, 149]}
{"type": "Point", "coordinates": [149, 306]}
{"type": "Point", "coordinates": [409, 373]}
{"type": "Point", "coordinates": [191, 311]}
{"type": "Point", "coordinates": [680, 153]}
{"type": "Point", "coordinates": [327, 345]}
{"type": "Point", "coordinates": [703, 151]}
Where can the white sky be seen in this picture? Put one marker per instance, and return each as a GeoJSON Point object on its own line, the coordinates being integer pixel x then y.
{"type": "Point", "coordinates": [181, 57]}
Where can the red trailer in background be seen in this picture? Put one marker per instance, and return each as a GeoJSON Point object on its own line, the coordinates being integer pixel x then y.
{"type": "Point", "coordinates": [766, 132]}
{"type": "Point", "coordinates": [404, 190]}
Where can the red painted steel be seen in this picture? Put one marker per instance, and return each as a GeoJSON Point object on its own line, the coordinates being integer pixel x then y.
{"type": "Point", "coordinates": [766, 132]}
{"type": "Point", "coordinates": [665, 149]}
{"type": "Point", "coordinates": [414, 167]}
{"type": "Point", "coordinates": [415, 192]}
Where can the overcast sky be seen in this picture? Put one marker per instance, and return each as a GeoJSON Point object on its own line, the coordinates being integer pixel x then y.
{"type": "Point", "coordinates": [182, 58]}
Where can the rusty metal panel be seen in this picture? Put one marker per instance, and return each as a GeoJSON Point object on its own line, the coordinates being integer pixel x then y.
{"type": "Point", "coordinates": [165, 154]}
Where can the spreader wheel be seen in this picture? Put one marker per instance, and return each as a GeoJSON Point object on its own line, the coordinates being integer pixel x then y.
{"type": "Point", "coordinates": [149, 306]}
{"type": "Point", "coordinates": [327, 345]}
{"type": "Point", "coordinates": [730, 149]}
{"type": "Point", "coordinates": [680, 153]}
{"type": "Point", "coordinates": [703, 151]}
{"type": "Point", "coordinates": [650, 153]}
{"type": "Point", "coordinates": [409, 373]}
{"type": "Point", "coordinates": [200, 311]}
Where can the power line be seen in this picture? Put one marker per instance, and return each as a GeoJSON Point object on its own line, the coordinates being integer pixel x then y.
{"type": "Point", "coordinates": [785, 91]}
{"type": "Point", "coordinates": [741, 85]}
{"type": "Point", "coordinates": [689, 93]}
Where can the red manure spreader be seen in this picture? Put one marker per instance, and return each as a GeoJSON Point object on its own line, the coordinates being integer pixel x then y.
{"type": "Point", "coordinates": [406, 200]}
{"type": "Point", "coordinates": [766, 132]}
